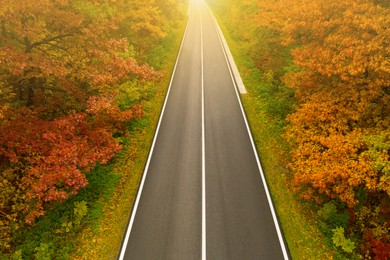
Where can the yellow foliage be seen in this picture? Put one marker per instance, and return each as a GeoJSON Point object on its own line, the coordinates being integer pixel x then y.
{"type": "Point", "coordinates": [341, 48]}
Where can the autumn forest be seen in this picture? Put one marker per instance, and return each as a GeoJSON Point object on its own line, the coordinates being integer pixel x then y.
{"type": "Point", "coordinates": [78, 76]}
{"type": "Point", "coordinates": [73, 75]}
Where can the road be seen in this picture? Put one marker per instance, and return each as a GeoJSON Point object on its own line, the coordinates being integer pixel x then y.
{"type": "Point", "coordinates": [202, 194]}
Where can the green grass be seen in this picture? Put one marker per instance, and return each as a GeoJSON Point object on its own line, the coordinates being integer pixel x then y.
{"type": "Point", "coordinates": [266, 108]}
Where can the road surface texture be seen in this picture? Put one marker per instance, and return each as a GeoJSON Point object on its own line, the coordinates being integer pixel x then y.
{"type": "Point", "coordinates": [202, 194]}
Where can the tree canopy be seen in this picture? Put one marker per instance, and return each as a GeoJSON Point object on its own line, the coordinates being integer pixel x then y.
{"type": "Point", "coordinates": [70, 71]}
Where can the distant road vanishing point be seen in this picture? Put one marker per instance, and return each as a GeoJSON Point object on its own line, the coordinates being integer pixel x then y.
{"type": "Point", "coordinates": [203, 194]}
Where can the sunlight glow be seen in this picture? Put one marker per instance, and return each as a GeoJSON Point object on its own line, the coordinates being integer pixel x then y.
{"type": "Point", "coordinates": [197, 2]}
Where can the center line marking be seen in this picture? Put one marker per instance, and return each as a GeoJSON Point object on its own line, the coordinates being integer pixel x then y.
{"type": "Point", "coordinates": [203, 151]}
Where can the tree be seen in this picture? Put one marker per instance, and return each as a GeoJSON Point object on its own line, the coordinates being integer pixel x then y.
{"type": "Point", "coordinates": [342, 89]}
{"type": "Point", "coordinates": [63, 49]}
{"type": "Point", "coordinates": [339, 130]}
{"type": "Point", "coordinates": [61, 65]}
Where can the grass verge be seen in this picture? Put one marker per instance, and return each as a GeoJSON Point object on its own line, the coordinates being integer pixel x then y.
{"type": "Point", "coordinates": [102, 241]}
{"type": "Point", "coordinates": [297, 218]}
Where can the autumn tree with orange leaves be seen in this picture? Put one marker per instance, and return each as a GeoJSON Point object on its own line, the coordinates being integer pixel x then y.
{"type": "Point", "coordinates": [339, 131]}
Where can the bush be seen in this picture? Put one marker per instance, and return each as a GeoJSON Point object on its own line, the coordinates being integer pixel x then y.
{"type": "Point", "coordinates": [340, 241]}
{"type": "Point", "coordinates": [332, 216]}
{"type": "Point", "coordinates": [45, 251]}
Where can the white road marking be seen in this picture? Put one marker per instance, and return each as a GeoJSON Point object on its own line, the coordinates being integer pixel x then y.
{"type": "Point", "coordinates": [229, 56]}
{"type": "Point", "coordinates": [134, 211]}
{"type": "Point", "coordinates": [279, 232]}
{"type": "Point", "coordinates": [203, 151]}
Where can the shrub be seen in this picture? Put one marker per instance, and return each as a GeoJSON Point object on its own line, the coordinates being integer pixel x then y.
{"type": "Point", "coordinates": [340, 241]}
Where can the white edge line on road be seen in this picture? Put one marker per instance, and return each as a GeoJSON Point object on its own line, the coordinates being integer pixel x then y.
{"type": "Point", "coordinates": [276, 222]}
{"type": "Point", "coordinates": [134, 211]}
{"type": "Point", "coordinates": [203, 151]}
{"type": "Point", "coordinates": [229, 56]}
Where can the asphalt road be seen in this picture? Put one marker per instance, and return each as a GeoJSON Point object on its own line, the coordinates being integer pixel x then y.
{"type": "Point", "coordinates": [202, 194]}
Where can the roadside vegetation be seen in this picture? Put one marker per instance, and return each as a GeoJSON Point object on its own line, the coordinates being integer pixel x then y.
{"type": "Point", "coordinates": [318, 77]}
{"type": "Point", "coordinates": [81, 87]}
